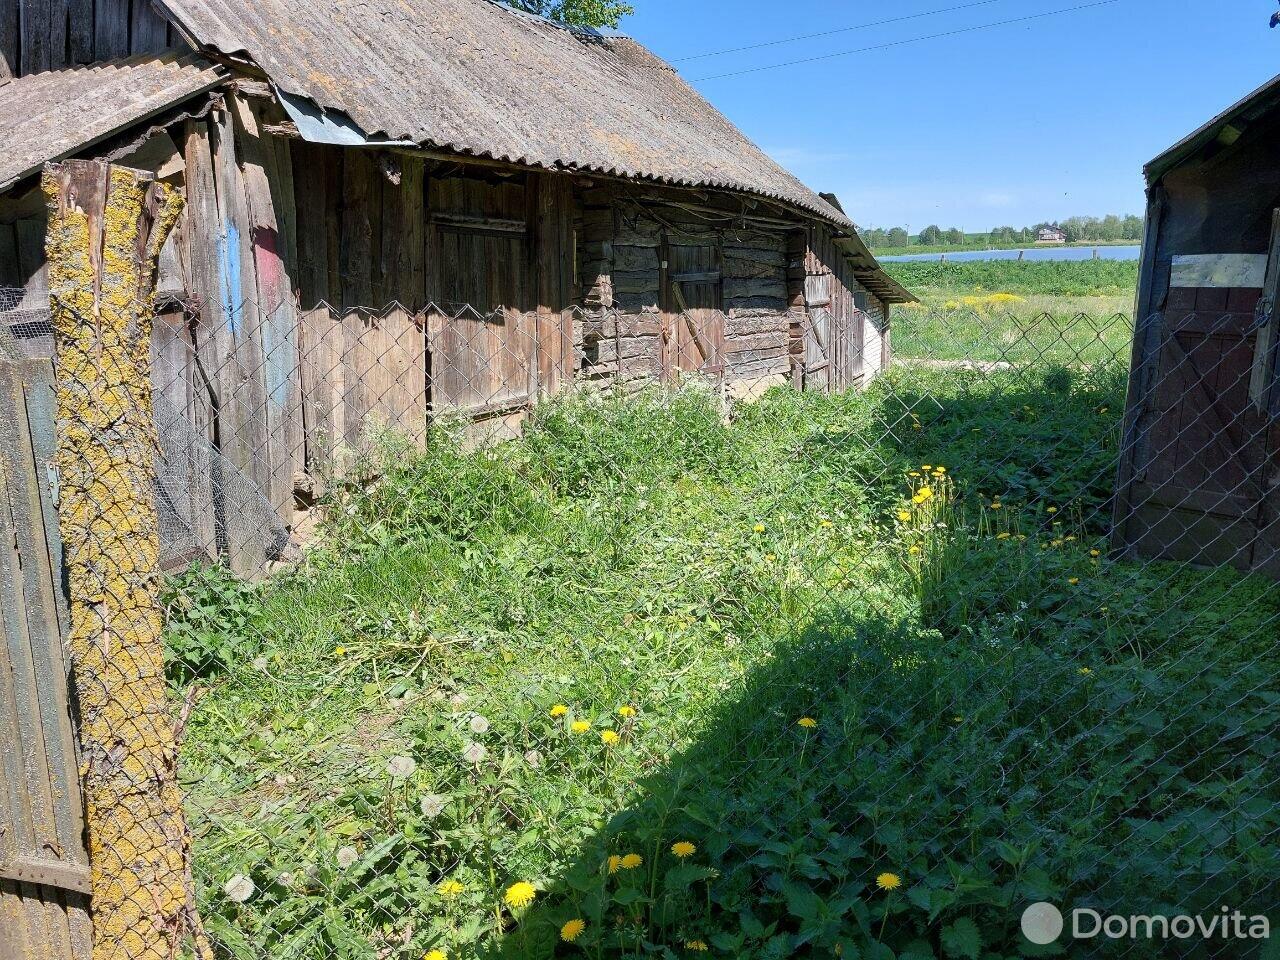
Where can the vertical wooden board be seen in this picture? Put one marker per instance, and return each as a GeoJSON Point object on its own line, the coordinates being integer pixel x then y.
{"type": "Point", "coordinates": [274, 292]}
{"type": "Point", "coordinates": [356, 257]}
{"type": "Point", "coordinates": [111, 30]}
{"type": "Point", "coordinates": [148, 32]}
{"type": "Point", "coordinates": [80, 38]}
{"type": "Point", "coordinates": [31, 261]}
{"type": "Point", "coordinates": [404, 236]}
{"type": "Point", "coordinates": [10, 271]}
{"type": "Point", "coordinates": [323, 388]}
{"type": "Point", "coordinates": [313, 211]}
{"type": "Point", "coordinates": [34, 20]}
{"type": "Point", "coordinates": [239, 367]}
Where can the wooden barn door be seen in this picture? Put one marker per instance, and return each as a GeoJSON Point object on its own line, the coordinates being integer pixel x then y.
{"type": "Point", "coordinates": [44, 872]}
{"type": "Point", "coordinates": [482, 334]}
{"type": "Point", "coordinates": [692, 310]}
{"type": "Point", "coordinates": [1204, 473]}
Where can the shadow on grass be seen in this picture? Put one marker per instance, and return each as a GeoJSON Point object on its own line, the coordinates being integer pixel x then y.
{"type": "Point", "coordinates": [1034, 746]}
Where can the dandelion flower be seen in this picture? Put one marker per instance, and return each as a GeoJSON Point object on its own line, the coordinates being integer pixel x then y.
{"type": "Point", "coordinates": [559, 710]}
{"type": "Point", "coordinates": [927, 466]}
{"type": "Point", "coordinates": [239, 888]}
{"type": "Point", "coordinates": [580, 726]}
{"type": "Point", "coordinates": [432, 805]}
{"type": "Point", "coordinates": [479, 724]}
{"type": "Point", "coordinates": [759, 528]}
{"type": "Point", "coordinates": [474, 752]}
{"type": "Point", "coordinates": [1074, 581]}
{"type": "Point", "coordinates": [339, 651]}
{"type": "Point", "coordinates": [926, 493]}
{"type": "Point", "coordinates": [683, 848]}
{"type": "Point", "coordinates": [888, 881]}
{"type": "Point", "coordinates": [450, 888]}
{"type": "Point", "coordinates": [573, 929]}
{"type": "Point", "coordinates": [825, 524]}
{"type": "Point", "coordinates": [807, 722]}
{"type": "Point", "coordinates": [519, 894]}
{"type": "Point", "coordinates": [434, 955]}
{"type": "Point", "coordinates": [913, 551]}
{"type": "Point", "coordinates": [1002, 536]}
{"type": "Point", "coordinates": [904, 515]}
{"type": "Point", "coordinates": [1095, 553]}
{"type": "Point", "coordinates": [608, 737]}
{"type": "Point", "coordinates": [347, 856]}
{"type": "Point", "coordinates": [626, 711]}
{"type": "Point", "coordinates": [697, 946]}
{"type": "Point", "coordinates": [939, 469]}
{"type": "Point", "coordinates": [631, 861]}
{"type": "Point", "coordinates": [1051, 510]}
{"type": "Point", "coordinates": [614, 864]}
{"type": "Point", "coordinates": [997, 505]}
{"type": "Point", "coordinates": [401, 767]}
{"type": "Point", "coordinates": [1085, 671]}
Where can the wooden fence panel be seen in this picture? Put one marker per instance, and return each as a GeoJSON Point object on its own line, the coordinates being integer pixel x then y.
{"type": "Point", "coordinates": [44, 873]}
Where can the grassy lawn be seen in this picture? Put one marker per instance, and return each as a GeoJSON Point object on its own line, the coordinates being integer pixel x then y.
{"type": "Point", "coordinates": [580, 661]}
{"type": "Point", "coordinates": [1068, 312]}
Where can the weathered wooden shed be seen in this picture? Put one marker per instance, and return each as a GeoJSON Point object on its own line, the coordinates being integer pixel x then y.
{"type": "Point", "coordinates": [396, 212]}
{"type": "Point", "coordinates": [1199, 477]}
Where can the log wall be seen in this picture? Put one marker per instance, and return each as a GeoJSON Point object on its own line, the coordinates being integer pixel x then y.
{"type": "Point", "coordinates": [38, 35]}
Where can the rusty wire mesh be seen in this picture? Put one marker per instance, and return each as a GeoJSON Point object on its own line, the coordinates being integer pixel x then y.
{"type": "Point", "coordinates": [665, 662]}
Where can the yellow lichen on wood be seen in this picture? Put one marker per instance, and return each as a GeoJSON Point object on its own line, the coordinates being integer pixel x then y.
{"type": "Point", "coordinates": [105, 227]}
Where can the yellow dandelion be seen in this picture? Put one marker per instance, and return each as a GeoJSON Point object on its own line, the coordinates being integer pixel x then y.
{"type": "Point", "coordinates": [559, 710]}
{"type": "Point", "coordinates": [1051, 510]}
{"type": "Point", "coordinates": [608, 737]}
{"type": "Point", "coordinates": [1095, 553]}
{"type": "Point", "coordinates": [435, 955]}
{"type": "Point", "coordinates": [914, 551]}
{"type": "Point", "coordinates": [614, 864]}
{"type": "Point", "coordinates": [631, 861]}
{"type": "Point", "coordinates": [572, 930]}
{"type": "Point", "coordinates": [450, 889]}
{"type": "Point", "coordinates": [770, 557]}
{"type": "Point", "coordinates": [683, 848]}
{"type": "Point", "coordinates": [580, 726]}
{"type": "Point", "coordinates": [1074, 581]}
{"type": "Point", "coordinates": [758, 528]}
{"type": "Point", "coordinates": [826, 524]}
{"type": "Point", "coordinates": [626, 711]}
{"type": "Point", "coordinates": [888, 881]}
{"type": "Point", "coordinates": [913, 473]}
{"type": "Point", "coordinates": [1085, 671]}
{"type": "Point", "coordinates": [997, 505]}
{"type": "Point", "coordinates": [697, 946]}
{"type": "Point", "coordinates": [904, 515]}
{"type": "Point", "coordinates": [1002, 536]}
{"type": "Point", "coordinates": [916, 426]}
{"type": "Point", "coordinates": [957, 719]}
{"type": "Point", "coordinates": [925, 493]}
{"type": "Point", "coordinates": [939, 469]}
{"type": "Point", "coordinates": [339, 651]}
{"type": "Point", "coordinates": [807, 722]}
{"type": "Point", "coordinates": [927, 466]}
{"type": "Point", "coordinates": [519, 894]}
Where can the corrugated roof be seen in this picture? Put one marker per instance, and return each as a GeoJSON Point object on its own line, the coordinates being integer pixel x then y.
{"type": "Point", "coordinates": [476, 77]}
{"type": "Point", "coordinates": [48, 116]}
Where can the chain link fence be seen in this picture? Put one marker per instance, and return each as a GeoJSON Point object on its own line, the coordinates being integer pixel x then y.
{"type": "Point", "coordinates": [652, 662]}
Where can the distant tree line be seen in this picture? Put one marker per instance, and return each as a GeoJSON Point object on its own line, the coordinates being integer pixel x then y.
{"type": "Point", "coordinates": [1110, 228]}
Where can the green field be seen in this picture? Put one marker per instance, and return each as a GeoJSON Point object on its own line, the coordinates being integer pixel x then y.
{"type": "Point", "coordinates": [1068, 312]}
{"type": "Point", "coordinates": [507, 666]}
{"type": "Point", "coordinates": [979, 241]}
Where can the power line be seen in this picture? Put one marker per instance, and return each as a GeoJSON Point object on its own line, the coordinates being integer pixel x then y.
{"type": "Point", "coordinates": [910, 40]}
{"type": "Point", "coordinates": [828, 33]}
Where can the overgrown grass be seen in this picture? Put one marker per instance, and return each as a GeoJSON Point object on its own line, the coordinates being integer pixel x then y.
{"type": "Point", "coordinates": [1071, 313]}
{"type": "Point", "coordinates": [511, 665]}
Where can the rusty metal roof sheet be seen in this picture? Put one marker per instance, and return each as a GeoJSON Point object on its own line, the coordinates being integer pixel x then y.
{"type": "Point", "coordinates": [476, 77]}
{"type": "Point", "coordinates": [48, 116]}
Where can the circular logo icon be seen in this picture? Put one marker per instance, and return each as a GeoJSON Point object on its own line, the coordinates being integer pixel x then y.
{"type": "Point", "coordinates": [1042, 923]}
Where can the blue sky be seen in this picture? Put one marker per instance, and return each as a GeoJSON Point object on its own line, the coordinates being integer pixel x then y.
{"type": "Point", "coordinates": [1015, 124]}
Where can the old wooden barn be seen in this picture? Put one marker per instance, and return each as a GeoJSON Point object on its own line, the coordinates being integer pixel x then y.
{"type": "Point", "coordinates": [396, 214]}
{"type": "Point", "coordinates": [1200, 470]}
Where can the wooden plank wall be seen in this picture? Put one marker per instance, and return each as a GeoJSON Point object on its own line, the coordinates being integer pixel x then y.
{"type": "Point", "coordinates": [44, 872]}
{"type": "Point", "coordinates": [38, 35]}
{"type": "Point", "coordinates": [858, 338]}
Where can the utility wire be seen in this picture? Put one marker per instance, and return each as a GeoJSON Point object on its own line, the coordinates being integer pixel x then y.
{"type": "Point", "coordinates": [909, 40]}
{"type": "Point", "coordinates": [828, 33]}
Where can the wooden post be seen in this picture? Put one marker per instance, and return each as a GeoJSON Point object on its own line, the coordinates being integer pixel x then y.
{"type": "Point", "coordinates": [106, 226]}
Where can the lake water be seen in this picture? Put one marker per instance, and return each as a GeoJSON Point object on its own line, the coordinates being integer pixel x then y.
{"type": "Point", "coordinates": [1035, 253]}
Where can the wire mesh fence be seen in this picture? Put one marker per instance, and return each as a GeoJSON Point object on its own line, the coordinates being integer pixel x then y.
{"type": "Point", "coordinates": [650, 658]}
